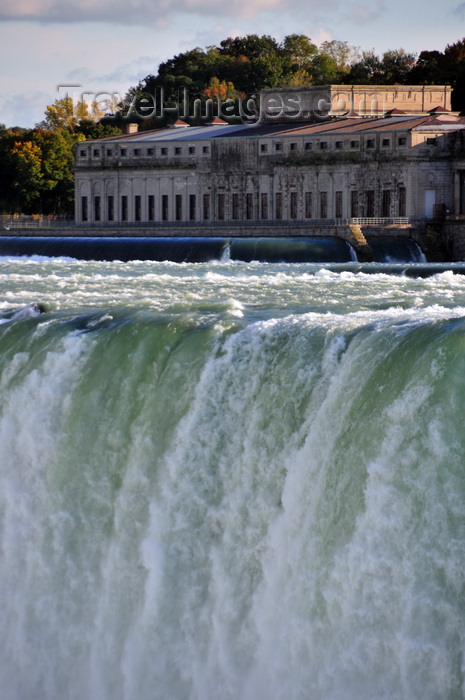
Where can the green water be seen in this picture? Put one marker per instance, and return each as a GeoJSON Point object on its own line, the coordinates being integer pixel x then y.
{"type": "Point", "coordinates": [231, 481]}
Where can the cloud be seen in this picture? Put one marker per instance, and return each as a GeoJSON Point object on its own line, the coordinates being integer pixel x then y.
{"type": "Point", "coordinates": [321, 36]}
{"type": "Point", "coordinates": [364, 14]}
{"type": "Point", "coordinates": [123, 73]}
{"type": "Point", "coordinates": [24, 108]}
{"type": "Point", "coordinates": [153, 12]}
{"type": "Point", "coordinates": [131, 72]}
{"type": "Point", "coordinates": [459, 11]}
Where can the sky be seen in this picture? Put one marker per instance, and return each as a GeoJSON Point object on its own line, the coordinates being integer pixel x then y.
{"type": "Point", "coordinates": [99, 48]}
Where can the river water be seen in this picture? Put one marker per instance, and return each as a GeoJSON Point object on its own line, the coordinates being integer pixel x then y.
{"type": "Point", "coordinates": [231, 481]}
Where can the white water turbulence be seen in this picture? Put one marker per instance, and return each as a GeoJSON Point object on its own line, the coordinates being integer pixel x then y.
{"type": "Point", "coordinates": [230, 482]}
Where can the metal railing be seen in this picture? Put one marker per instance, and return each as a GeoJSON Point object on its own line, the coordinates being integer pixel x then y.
{"type": "Point", "coordinates": [23, 221]}
{"type": "Point", "coordinates": [379, 221]}
{"type": "Point", "coordinates": [12, 221]}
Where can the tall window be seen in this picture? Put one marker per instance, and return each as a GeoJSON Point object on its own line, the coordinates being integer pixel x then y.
{"type": "Point", "coordinates": [278, 205]}
{"type": "Point", "coordinates": [151, 207]}
{"type": "Point", "coordinates": [354, 204]}
{"type": "Point", "coordinates": [84, 209]}
{"type": "Point", "coordinates": [164, 207]}
{"type": "Point", "coordinates": [323, 205]}
{"type": "Point", "coordinates": [110, 208]}
{"type": "Point", "coordinates": [137, 207]}
{"type": "Point", "coordinates": [124, 208]}
{"type": "Point", "coordinates": [293, 205]}
{"type": "Point", "coordinates": [308, 205]}
{"type": "Point", "coordinates": [192, 206]}
{"type": "Point", "coordinates": [206, 207]}
{"type": "Point", "coordinates": [178, 205]}
{"type": "Point", "coordinates": [386, 203]}
{"type": "Point", "coordinates": [221, 206]}
{"type": "Point", "coordinates": [97, 208]}
{"type": "Point", "coordinates": [370, 200]}
{"type": "Point", "coordinates": [264, 205]}
{"type": "Point", "coordinates": [402, 201]}
{"type": "Point", "coordinates": [338, 204]}
{"type": "Point", "coordinates": [235, 205]}
{"type": "Point", "coordinates": [249, 205]}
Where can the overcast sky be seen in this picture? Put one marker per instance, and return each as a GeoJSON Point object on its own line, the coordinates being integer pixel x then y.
{"type": "Point", "coordinates": [105, 46]}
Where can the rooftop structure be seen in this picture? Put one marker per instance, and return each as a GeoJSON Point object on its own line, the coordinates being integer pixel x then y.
{"type": "Point", "coordinates": [319, 102]}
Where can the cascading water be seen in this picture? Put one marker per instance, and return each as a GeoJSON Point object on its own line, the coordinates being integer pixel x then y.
{"type": "Point", "coordinates": [395, 249]}
{"type": "Point", "coordinates": [272, 249]}
{"type": "Point", "coordinates": [231, 482]}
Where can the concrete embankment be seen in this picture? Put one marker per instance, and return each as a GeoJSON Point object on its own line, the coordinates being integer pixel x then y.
{"type": "Point", "coordinates": [453, 234]}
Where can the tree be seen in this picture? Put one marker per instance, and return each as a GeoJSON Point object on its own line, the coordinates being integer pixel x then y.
{"type": "Point", "coordinates": [63, 114]}
{"type": "Point", "coordinates": [396, 66]}
{"type": "Point", "coordinates": [252, 46]}
{"type": "Point", "coordinates": [27, 177]}
{"type": "Point", "coordinates": [298, 50]}
{"type": "Point", "coordinates": [429, 69]}
{"type": "Point", "coordinates": [454, 54]}
{"type": "Point", "coordinates": [57, 161]}
{"type": "Point", "coordinates": [341, 53]}
{"type": "Point", "coordinates": [36, 171]}
{"type": "Point", "coordinates": [325, 70]}
{"type": "Point", "coordinates": [91, 130]}
{"type": "Point", "coordinates": [366, 71]}
{"type": "Point", "coordinates": [220, 90]}
{"type": "Point", "coordinates": [252, 62]}
{"type": "Point", "coordinates": [299, 78]}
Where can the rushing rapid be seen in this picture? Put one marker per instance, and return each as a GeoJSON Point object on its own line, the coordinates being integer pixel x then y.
{"type": "Point", "coordinates": [230, 481]}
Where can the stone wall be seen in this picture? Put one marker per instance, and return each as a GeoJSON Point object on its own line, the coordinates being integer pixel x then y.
{"type": "Point", "coordinates": [453, 233]}
{"type": "Point", "coordinates": [319, 102]}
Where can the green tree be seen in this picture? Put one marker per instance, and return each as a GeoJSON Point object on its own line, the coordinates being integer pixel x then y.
{"type": "Point", "coordinates": [325, 70]}
{"type": "Point", "coordinates": [341, 53]}
{"type": "Point", "coordinates": [57, 160]}
{"type": "Point", "coordinates": [396, 66]}
{"type": "Point", "coordinates": [365, 71]}
{"type": "Point", "coordinates": [430, 69]}
{"type": "Point", "coordinates": [251, 46]}
{"type": "Point", "coordinates": [298, 50]}
{"type": "Point", "coordinates": [63, 114]}
{"type": "Point", "coordinates": [298, 78]}
{"type": "Point", "coordinates": [27, 176]}
{"type": "Point", "coordinates": [36, 171]}
{"type": "Point", "coordinates": [91, 130]}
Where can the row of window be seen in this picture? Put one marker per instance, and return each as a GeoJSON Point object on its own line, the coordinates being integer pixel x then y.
{"type": "Point", "coordinates": [237, 207]}
{"type": "Point", "coordinates": [354, 144]}
{"type": "Point", "coordinates": [150, 151]}
{"type": "Point", "coordinates": [276, 147]}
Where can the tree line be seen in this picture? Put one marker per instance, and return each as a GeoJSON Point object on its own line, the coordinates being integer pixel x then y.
{"type": "Point", "coordinates": [36, 165]}
{"type": "Point", "coordinates": [241, 67]}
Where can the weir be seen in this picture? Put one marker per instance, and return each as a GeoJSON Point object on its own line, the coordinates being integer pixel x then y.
{"type": "Point", "coordinates": [389, 249]}
{"type": "Point", "coordinates": [209, 248]}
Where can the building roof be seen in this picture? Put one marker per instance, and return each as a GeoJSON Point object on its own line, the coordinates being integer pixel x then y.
{"type": "Point", "coordinates": [333, 126]}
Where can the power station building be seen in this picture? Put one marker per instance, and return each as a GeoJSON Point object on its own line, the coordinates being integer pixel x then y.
{"type": "Point", "coordinates": [334, 152]}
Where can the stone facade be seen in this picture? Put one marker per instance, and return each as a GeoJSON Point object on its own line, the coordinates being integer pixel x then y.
{"type": "Point", "coordinates": [333, 168]}
{"type": "Point", "coordinates": [319, 102]}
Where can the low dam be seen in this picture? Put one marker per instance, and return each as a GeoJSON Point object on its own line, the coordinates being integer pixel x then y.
{"type": "Point", "coordinates": [274, 241]}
